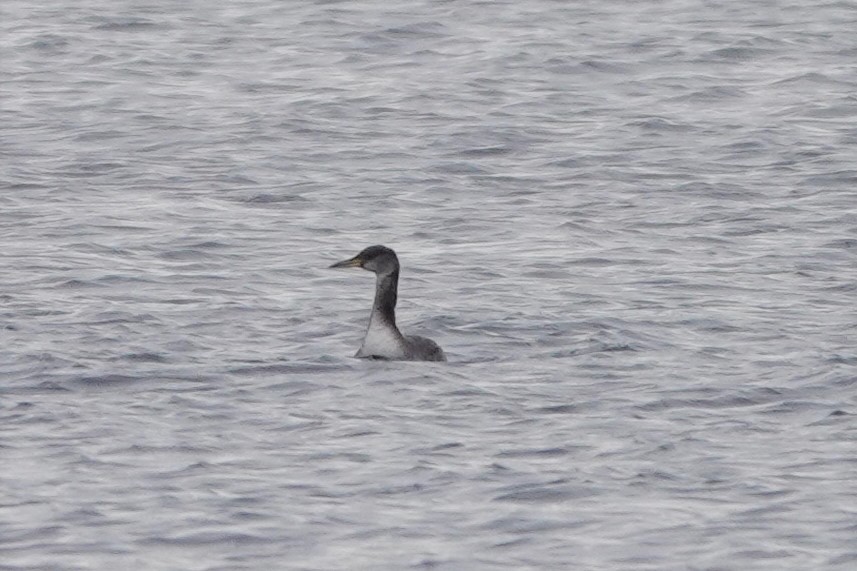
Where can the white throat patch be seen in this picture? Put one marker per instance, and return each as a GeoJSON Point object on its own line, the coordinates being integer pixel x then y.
{"type": "Point", "coordinates": [381, 340]}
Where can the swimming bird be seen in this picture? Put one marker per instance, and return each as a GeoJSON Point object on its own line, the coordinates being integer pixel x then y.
{"type": "Point", "coordinates": [383, 339]}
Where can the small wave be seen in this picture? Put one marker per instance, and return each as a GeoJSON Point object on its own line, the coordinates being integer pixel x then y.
{"type": "Point", "coordinates": [145, 358]}
{"type": "Point", "coordinates": [548, 492]}
{"type": "Point", "coordinates": [127, 25]}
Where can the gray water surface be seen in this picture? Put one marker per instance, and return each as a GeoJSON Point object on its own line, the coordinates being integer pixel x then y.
{"type": "Point", "coordinates": [631, 226]}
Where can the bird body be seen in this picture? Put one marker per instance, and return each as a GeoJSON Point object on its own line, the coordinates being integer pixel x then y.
{"type": "Point", "coordinates": [383, 339]}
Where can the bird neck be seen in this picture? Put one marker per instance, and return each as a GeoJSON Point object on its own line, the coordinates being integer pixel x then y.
{"type": "Point", "coordinates": [386, 287]}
